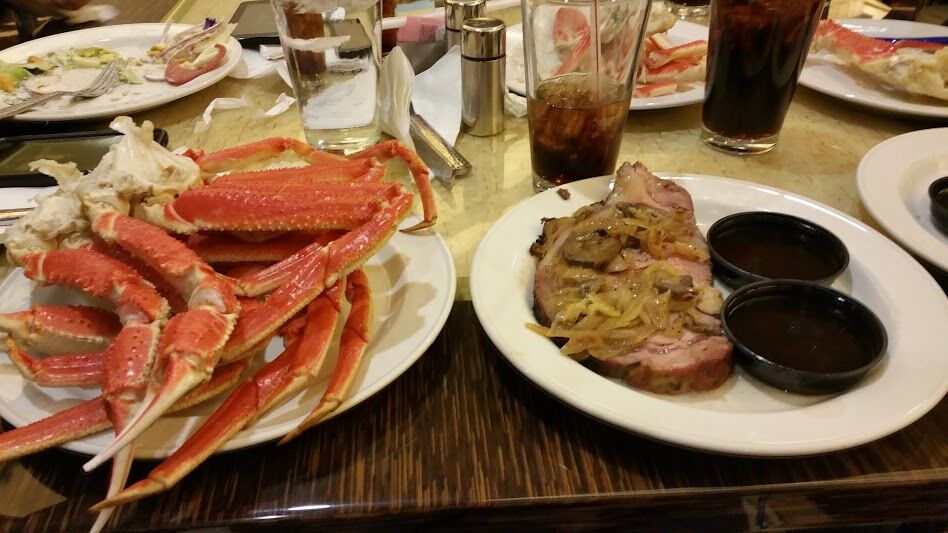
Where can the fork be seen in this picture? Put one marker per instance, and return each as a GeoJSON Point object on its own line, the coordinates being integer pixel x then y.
{"type": "Point", "coordinates": [102, 83]}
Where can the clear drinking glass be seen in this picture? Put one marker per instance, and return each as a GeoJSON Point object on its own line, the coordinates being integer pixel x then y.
{"type": "Point", "coordinates": [333, 53]}
{"type": "Point", "coordinates": [689, 8]}
{"type": "Point", "coordinates": [756, 50]}
{"type": "Point", "coordinates": [580, 58]}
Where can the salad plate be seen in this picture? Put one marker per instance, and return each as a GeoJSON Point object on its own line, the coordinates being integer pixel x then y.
{"type": "Point", "coordinates": [129, 41]}
{"type": "Point", "coordinates": [821, 73]}
{"type": "Point", "coordinates": [743, 416]}
{"type": "Point", "coordinates": [413, 284]}
{"type": "Point", "coordinates": [682, 32]}
{"type": "Point", "coordinates": [893, 179]}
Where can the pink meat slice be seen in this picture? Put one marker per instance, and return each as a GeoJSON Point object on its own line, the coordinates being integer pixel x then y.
{"type": "Point", "coordinates": [694, 362]}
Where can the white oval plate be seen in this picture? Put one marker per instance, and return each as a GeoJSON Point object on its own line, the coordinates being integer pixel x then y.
{"type": "Point", "coordinates": [743, 416]}
{"type": "Point", "coordinates": [682, 32]}
{"type": "Point", "coordinates": [854, 86]}
{"type": "Point", "coordinates": [130, 40]}
{"type": "Point", "coordinates": [893, 179]}
{"type": "Point", "coordinates": [413, 283]}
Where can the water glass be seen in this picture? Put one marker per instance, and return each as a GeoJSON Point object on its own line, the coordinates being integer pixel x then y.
{"type": "Point", "coordinates": [580, 69]}
{"type": "Point", "coordinates": [756, 51]}
{"type": "Point", "coordinates": [689, 8]}
{"type": "Point", "coordinates": [333, 54]}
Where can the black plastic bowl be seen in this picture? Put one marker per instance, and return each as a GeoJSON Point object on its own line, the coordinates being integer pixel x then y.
{"type": "Point", "coordinates": [938, 192]}
{"type": "Point", "coordinates": [757, 246]}
{"type": "Point", "coordinates": [802, 337]}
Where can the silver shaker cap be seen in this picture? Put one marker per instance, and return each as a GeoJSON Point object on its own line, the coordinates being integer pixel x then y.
{"type": "Point", "coordinates": [483, 38]}
{"type": "Point", "coordinates": [457, 11]}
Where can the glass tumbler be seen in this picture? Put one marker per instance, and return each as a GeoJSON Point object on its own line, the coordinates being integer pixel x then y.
{"type": "Point", "coordinates": [334, 57]}
{"type": "Point", "coordinates": [580, 69]}
{"type": "Point", "coordinates": [756, 51]}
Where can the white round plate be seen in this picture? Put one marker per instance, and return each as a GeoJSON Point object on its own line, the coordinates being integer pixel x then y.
{"type": "Point", "coordinates": [682, 32]}
{"type": "Point", "coordinates": [893, 179]}
{"type": "Point", "coordinates": [130, 40]}
{"type": "Point", "coordinates": [413, 282]}
{"type": "Point", "coordinates": [852, 85]}
{"type": "Point", "coordinates": [743, 416]}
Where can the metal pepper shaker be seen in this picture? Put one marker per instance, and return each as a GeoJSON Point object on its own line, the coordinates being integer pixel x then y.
{"type": "Point", "coordinates": [455, 13]}
{"type": "Point", "coordinates": [483, 57]}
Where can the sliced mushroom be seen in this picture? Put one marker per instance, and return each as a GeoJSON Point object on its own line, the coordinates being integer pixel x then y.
{"type": "Point", "coordinates": [591, 250]}
{"type": "Point", "coordinates": [678, 286]}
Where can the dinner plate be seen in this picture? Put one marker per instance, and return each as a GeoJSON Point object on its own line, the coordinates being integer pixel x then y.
{"type": "Point", "coordinates": [743, 416]}
{"type": "Point", "coordinates": [130, 40]}
{"type": "Point", "coordinates": [824, 75]}
{"type": "Point", "coordinates": [413, 282]}
{"type": "Point", "coordinates": [682, 32]}
{"type": "Point", "coordinates": [893, 179]}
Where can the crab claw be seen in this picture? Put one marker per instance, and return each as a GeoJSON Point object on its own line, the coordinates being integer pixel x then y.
{"type": "Point", "coordinates": [54, 330]}
{"type": "Point", "coordinates": [187, 352]}
{"type": "Point", "coordinates": [285, 375]}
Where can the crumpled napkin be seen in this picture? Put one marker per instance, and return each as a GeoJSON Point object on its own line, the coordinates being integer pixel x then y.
{"type": "Point", "coordinates": [280, 105]}
{"type": "Point", "coordinates": [437, 95]}
{"type": "Point", "coordinates": [252, 64]}
{"type": "Point", "coordinates": [218, 103]}
{"type": "Point", "coordinates": [396, 81]}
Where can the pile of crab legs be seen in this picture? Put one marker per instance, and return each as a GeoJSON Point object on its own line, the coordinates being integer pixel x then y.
{"type": "Point", "coordinates": [181, 332]}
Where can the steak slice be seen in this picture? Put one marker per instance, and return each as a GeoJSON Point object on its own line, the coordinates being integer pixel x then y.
{"type": "Point", "coordinates": [574, 263]}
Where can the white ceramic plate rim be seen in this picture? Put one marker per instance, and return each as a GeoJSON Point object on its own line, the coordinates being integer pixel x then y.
{"type": "Point", "coordinates": [836, 423]}
{"type": "Point", "coordinates": [683, 31]}
{"type": "Point", "coordinates": [428, 262]}
{"type": "Point", "coordinates": [880, 176]}
{"type": "Point", "coordinates": [149, 32]}
{"type": "Point", "coordinates": [879, 99]}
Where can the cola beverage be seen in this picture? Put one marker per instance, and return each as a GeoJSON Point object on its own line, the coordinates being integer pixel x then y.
{"type": "Point", "coordinates": [574, 134]}
{"type": "Point", "coordinates": [756, 51]}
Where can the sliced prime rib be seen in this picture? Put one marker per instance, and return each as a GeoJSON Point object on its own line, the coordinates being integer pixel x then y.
{"type": "Point", "coordinates": [574, 262]}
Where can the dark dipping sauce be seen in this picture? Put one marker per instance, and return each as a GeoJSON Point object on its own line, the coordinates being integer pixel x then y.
{"type": "Point", "coordinates": [801, 334]}
{"type": "Point", "coordinates": [776, 252]}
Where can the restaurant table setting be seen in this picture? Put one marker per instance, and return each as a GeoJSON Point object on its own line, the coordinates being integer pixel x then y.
{"type": "Point", "coordinates": [653, 224]}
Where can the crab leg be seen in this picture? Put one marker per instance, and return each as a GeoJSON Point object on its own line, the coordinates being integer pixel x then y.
{"type": "Point", "coordinates": [328, 206]}
{"type": "Point", "coordinates": [67, 329]}
{"type": "Point", "coordinates": [250, 153]}
{"type": "Point", "coordinates": [419, 172]}
{"type": "Point", "coordinates": [345, 170]}
{"type": "Point", "coordinates": [247, 154]}
{"type": "Point", "coordinates": [224, 248]}
{"type": "Point", "coordinates": [82, 420]}
{"type": "Point", "coordinates": [285, 375]}
{"type": "Point", "coordinates": [256, 282]}
{"type": "Point", "coordinates": [190, 343]}
{"type": "Point", "coordinates": [58, 370]}
{"type": "Point", "coordinates": [91, 417]}
{"type": "Point", "coordinates": [317, 269]}
{"type": "Point", "coordinates": [355, 338]}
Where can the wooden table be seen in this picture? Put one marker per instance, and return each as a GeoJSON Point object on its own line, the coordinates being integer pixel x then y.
{"type": "Point", "coordinates": [462, 441]}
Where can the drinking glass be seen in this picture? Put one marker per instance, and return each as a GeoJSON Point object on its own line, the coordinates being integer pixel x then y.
{"type": "Point", "coordinates": [580, 58]}
{"type": "Point", "coordinates": [756, 50]}
{"type": "Point", "coordinates": [333, 54]}
{"type": "Point", "coordinates": [688, 8]}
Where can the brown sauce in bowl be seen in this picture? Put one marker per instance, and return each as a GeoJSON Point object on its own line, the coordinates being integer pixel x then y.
{"type": "Point", "coordinates": [801, 333]}
{"type": "Point", "coordinates": [776, 251]}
